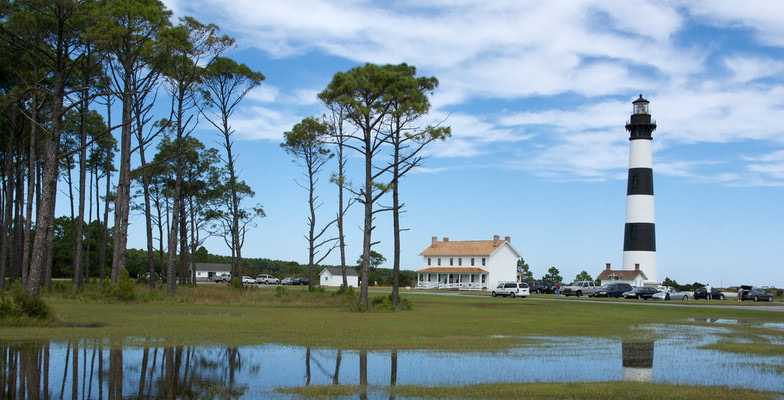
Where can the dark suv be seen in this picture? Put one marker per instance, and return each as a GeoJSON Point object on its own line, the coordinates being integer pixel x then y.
{"type": "Point", "coordinates": [612, 289]}
{"type": "Point", "coordinates": [702, 293]}
{"type": "Point", "coordinates": [541, 286]}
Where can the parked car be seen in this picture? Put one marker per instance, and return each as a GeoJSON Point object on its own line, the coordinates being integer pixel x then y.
{"type": "Point", "coordinates": [222, 277]}
{"type": "Point", "coordinates": [246, 280]}
{"type": "Point", "coordinates": [541, 287]}
{"type": "Point", "coordinates": [511, 289]}
{"type": "Point", "coordinates": [287, 281]}
{"type": "Point", "coordinates": [674, 294]}
{"type": "Point", "coordinates": [612, 289]}
{"type": "Point", "coordinates": [266, 279]}
{"type": "Point", "coordinates": [579, 288]}
{"type": "Point", "coordinates": [640, 292]}
{"type": "Point", "coordinates": [299, 281]}
{"type": "Point", "coordinates": [757, 294]}
{"type": "Point", "coordinates": [701, 293]}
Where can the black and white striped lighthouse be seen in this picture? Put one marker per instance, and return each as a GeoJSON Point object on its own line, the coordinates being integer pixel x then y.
{"type": "Point", "coordinates": [639, 239]}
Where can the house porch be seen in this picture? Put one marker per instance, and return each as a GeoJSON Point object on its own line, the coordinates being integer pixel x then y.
{"type": "Point", "coordinates": [452, 278]}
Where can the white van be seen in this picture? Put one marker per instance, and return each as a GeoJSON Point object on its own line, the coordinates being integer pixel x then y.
{"type": "Point", "coordinates": [511, 289]}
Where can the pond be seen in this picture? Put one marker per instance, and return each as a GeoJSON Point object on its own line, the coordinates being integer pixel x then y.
{"type": "Point", "coordinates": [98, 369]}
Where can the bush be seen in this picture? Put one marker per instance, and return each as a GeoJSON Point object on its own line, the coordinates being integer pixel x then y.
{"type": "Point", "coordinates": [23, 306]}
{"type": "Point", "coordinates": [124, 290]}
{"type": "Point", "coordinates": [384, 303]}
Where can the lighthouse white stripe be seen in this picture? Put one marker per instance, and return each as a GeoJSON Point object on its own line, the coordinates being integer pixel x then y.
{"type": "Point", "coordinates": [641, 154]}
{"type": "Point", "coordinates": [639, 208]}
{"type": "Point", "coordinates": [647, 261]}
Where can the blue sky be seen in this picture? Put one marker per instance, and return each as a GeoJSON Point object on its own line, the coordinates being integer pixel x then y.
{"type": "Point", "coordinates": [537, 94]}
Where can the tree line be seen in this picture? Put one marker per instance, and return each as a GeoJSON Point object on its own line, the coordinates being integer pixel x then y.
{"type": "Point", "coordinates": [68, 67]}
{"type": "Point", "coordinates": [81, 83]}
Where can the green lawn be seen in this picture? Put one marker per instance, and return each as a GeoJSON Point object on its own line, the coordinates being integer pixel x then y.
{"type": "Point", "coordinates": [219, 314]}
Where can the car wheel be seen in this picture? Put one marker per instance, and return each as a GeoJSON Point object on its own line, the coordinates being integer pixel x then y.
{"type": "Point", "coordinates": [770, 299]}
{"type": "Point", "coordinates": [494, 294]}
{"type": "Point", "coordinates": [512, 295]}
{"type": "Point", "coordinates": [721, 297]}
{"type": "Point", "coordinates": [639, 297]}
{"type": "Point", "coordinates": [685, 298]}
{"type": "Point", "coordinates": [579, 293]}
{"type": "Point", "coordinates": [756, 298]}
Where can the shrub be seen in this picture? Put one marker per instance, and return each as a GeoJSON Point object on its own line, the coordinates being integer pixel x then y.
{"type": "Point", "coordinates": [124, 290]}
{"type": "Point", "coordinates": [384, 303]}
{"type": "Point", "coordinates": [236, 283]}
{"type": "Point", "coordinates": [23, 306]}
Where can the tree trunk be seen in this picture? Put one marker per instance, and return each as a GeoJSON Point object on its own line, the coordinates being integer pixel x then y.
{"type": "Point", "coordinates": [78, 239]}
{"type": "Point", "coordinates": [123, 196]}
{"type": "Point", "coordinates": [396, 230]}
{"type": "Point", "coordinates": [45, 215]}
{"type": "Point", "coordinates": [367, 221]}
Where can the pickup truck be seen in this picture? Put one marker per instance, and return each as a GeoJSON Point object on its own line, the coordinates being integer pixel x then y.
{"type": "Point", "coordinates": [579, 288]}
{"type": "Point", "coordinates": [222, 277]}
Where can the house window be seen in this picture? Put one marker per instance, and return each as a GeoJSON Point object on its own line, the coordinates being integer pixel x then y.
{"type": "Point", "coordinates": [472, 262]}
{"type": "Point", "coordinates": [459, 261]}
{"type": "Point", "coordinates": [439, 262]}
{"type": "Point", "coordinates": [429, 260]}
{"type": "Point", "coordinates": [451, 262]}
{"type": "Point", "coordinates": [483, 262]}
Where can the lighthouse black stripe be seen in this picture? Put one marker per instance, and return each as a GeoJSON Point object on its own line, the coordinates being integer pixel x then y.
{"type": "Point", "coordinates": [640, 181]}
{"type": "Point", "coordinates": [639, 236]}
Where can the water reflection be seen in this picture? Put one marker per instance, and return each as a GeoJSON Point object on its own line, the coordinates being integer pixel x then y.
{"type": "Point", "coordinates": [100, 370]}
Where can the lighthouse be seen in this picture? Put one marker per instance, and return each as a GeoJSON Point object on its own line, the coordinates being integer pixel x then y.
{"type": "Point", "coordinates": [639, 239]}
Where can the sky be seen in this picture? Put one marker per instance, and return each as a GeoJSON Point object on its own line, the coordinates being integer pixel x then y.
{"type": "Point", "coordinates": [537, 94]}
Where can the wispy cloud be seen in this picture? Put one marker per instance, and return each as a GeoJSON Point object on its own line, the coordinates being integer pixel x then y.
{"type": "Point", "coordinates": [595, 53]}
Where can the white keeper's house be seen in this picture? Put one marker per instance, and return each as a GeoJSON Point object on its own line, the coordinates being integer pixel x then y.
{"type": "Point", "coordinates": [467, 264]}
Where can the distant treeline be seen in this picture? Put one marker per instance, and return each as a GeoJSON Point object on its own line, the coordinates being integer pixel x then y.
{"type": "Point", "coordinates": [137, 265]}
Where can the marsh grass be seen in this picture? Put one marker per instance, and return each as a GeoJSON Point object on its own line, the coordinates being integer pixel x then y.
{"type": "Point", "coordinates": [221, 314]}
{"type": "Point", "coordinates": [589, 390]}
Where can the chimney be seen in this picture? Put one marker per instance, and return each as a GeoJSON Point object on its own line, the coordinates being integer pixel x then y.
{"type": "Point", "coordinates": [636, 267]}
{"type": "Point", "coordinates": [446, 239]}
{"type": "Point", "coordinates": [496, 238]}
{"type": "Point", "coordinates": [508, 239]}
{"type": "Point", "coordinates": [607, 267]}
{"type": "Point", "coordinates": [433, 241]}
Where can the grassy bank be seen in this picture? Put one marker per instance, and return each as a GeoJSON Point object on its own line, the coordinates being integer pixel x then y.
{"type": "Point", "coordinates": [219, 314]}
{"type": "Point", "coordinates": [532, 391]}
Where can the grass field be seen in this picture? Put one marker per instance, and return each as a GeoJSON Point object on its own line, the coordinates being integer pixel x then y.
{"type": "Point", "coordinates": [220, 314]}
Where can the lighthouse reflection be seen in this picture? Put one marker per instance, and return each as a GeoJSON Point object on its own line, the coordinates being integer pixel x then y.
{"type": "Point", "coordinates": [637, 358]}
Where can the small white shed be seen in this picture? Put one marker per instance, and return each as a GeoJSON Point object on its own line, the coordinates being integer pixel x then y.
{"type": "Point", "coordinates": [333, 276]}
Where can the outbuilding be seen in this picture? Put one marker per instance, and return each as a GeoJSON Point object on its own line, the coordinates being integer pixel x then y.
{"type": "Point", "coordinates": [634, 278]}
{"type": "Point", "coordinates": [205, 272]}
{"type": "Point", "coordinates": [333, 276]}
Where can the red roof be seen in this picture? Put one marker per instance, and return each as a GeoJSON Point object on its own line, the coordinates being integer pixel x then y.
{"type": "Point", "coordinates": [463, 247]}
{"type": "Point", "coordinates": [625, 275]}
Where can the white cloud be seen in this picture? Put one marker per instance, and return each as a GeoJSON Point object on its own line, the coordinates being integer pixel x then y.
{"type": "Point", "coordinates": [749, 68]}
{"type": "Point", "coordinates": [763, 17]}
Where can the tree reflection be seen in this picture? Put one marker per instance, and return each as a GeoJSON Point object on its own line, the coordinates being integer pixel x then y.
{"type": "Point", "coordinates": [163, 372]}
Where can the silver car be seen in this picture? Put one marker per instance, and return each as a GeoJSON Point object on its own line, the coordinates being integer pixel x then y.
{"type": "Point", "coordinates": [267, 279]}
